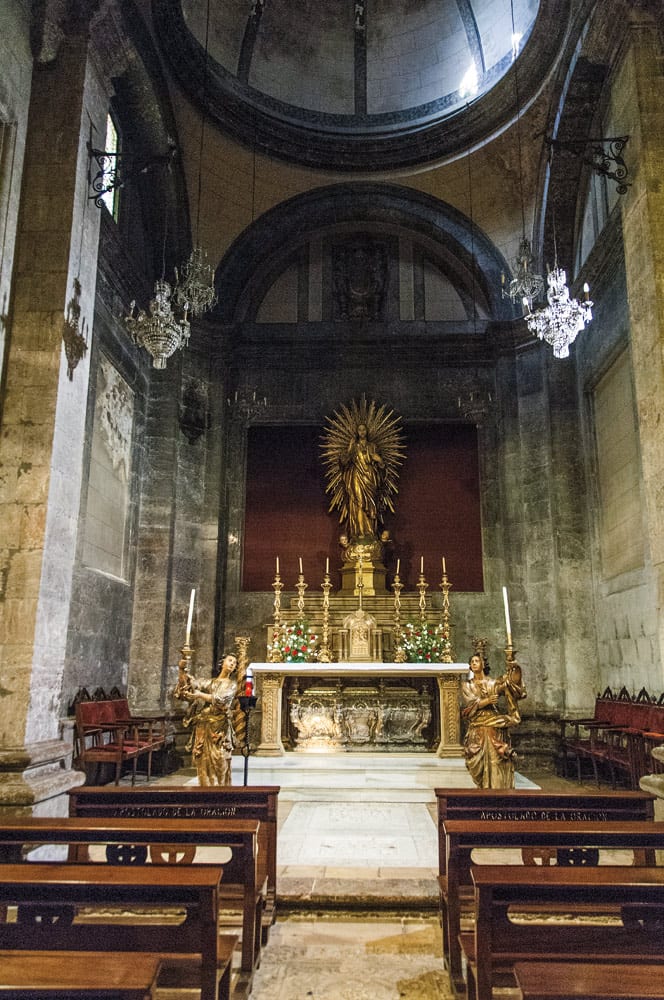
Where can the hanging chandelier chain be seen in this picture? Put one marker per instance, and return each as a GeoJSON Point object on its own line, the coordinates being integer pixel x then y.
{"type": "Point", "coordinates": [518, 120]}
{"type": "Point", "coordinates": [203, 116]}
{"type": "Point", "coordinates": [526, 285]}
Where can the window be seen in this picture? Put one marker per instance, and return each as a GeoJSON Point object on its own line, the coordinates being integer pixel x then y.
{"type": "Point", "coordinates": [111, 198]}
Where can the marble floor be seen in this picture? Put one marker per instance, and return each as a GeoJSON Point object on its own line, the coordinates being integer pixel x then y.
{"type": "Point", "coordinates": [342, 957]}
{"type": "Point", "coordinates": [357, 867]}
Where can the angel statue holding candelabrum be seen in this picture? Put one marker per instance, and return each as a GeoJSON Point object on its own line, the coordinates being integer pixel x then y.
{"type": "Point", "coordinates": [489, 755]}
{"type": "Point", "coordinates": [362, 451]}
{"type": "Point", "coordinates": [210, 716]}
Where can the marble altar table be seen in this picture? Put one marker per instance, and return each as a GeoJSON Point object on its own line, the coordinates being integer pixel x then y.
{"type": "Point", "coordinates": [447, 675]}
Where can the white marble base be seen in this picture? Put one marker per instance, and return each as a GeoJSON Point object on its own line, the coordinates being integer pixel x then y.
{"type": "Point", "coordinates": [369, 777]}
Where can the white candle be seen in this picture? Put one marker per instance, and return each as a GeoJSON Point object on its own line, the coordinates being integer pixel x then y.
{"type": "Point", "coordinates": [421, 564]}
{"type": "Point", "coordinates": [444, 566]}
{"type": "Point", "coordinates": [508, 625]}
{"type": "Point", "coordinates": [277, 565]}
{"type": "Point", "coordinates": [398, 565]}
{"type": "Point", "coordinates": [327, 565]}
{"type": "Point", "coordinates": [190, 617]}
{"type": "Point", "coordinates": [300, 565]}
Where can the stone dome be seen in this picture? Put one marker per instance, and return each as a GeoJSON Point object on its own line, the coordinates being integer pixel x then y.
{"type": "Point", "coordinates": [332, 84]}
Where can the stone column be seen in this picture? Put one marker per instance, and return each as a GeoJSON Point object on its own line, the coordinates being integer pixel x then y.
{"type": "Point", "coordinates": [43, 426]}
{"type": "Point", "coordinates": [639, 103]}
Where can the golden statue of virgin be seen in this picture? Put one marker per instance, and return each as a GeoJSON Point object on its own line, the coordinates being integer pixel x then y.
{"type": "Point", "coordinates": [362, 451]}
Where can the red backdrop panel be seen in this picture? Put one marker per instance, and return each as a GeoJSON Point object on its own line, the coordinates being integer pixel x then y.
{"type": "Point", "coordinates": [437, 508]}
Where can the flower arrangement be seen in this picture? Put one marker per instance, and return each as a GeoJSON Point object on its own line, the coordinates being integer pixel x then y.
{"type": "Point", "coordinates": [295, 643]}
{"type": "Point", "coordinates": [423, 643]}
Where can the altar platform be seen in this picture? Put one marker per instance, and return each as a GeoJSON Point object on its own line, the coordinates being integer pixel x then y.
{"type": "Point", "coordinates": [367, 777]}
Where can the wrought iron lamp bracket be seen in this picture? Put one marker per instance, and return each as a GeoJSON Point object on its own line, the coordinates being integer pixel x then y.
{"type": "Point", "coordinates": [115, 169]}
{"type": "Point", "coordinates": [603, 155]}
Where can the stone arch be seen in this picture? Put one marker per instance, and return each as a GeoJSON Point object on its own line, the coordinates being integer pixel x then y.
{"type": "Point", "coordinates": [263, 248]}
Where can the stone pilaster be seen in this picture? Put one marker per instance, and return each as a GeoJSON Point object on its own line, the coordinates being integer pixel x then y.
{"type": "Point", "coordinates": [43, 425]}
{"type": "Point", "coordinates": [639, 104]}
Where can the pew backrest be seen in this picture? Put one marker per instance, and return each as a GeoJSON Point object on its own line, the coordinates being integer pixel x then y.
{"type": "Point", "coordinates": [166, 842]}
{"type": "Point", "coordinates": [191, 802]}
{"type": "Point", "coordinates": [47, 896]}
{"type": "Point", "coordinates": [535, 805]}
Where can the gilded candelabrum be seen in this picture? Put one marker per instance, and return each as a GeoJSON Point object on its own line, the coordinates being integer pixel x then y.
{"type": "Point", "coordinates": [422, 586]}
{"type": "Point", "coordinates": [300, 586]}
{"type": "Point", "coordinates": [239, 716]}
{"type": "Point", "coordinates": [187, 654]}
{"type": "Point", "coordinates": [445, 621]}
{"type": "Point", "coordinates": [399, 651]}
{"type": "Point", "coordinates": [324, 652]}
{"type": "Point", "coordinates": [274, 653]}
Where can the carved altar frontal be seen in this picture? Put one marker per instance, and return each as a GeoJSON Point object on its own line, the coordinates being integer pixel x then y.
{"type": "Point", "coordinates": [351, 707]}
{"type": "Point", "coordinates": [359, 716]}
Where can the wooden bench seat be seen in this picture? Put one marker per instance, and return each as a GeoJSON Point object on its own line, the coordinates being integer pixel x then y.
{"type": "Point", "coordinates": [570, 843]}
{"type": "Point", "coordinates": [182, 902]}
{"type": "Point", "coordinates": [167, 843]}
{"type": "Point", "coordinates": [499, 942]}
{"type": "Point", "coordinates": [589, 981]}
{"type": "Point", "coordinates": [75, 975]}
{"type": "Point", "coordinates": [255, 802]}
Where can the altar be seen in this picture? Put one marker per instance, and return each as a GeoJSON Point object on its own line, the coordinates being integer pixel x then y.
{"type": "Point", "coordinates": [354, 708]}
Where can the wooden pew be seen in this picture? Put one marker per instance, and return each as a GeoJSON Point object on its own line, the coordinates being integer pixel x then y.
{"type": "Point", "coordinates": [193, 802]}
{"type": "Point", "coordinates": [522, 805]}
{"type": "Point", "coordinates": [47, 896]}
{"type": "Point", "coordinates": [570, 842]}
{"type": "Point", "coordinates": [498, 942]}
{"type": "Point", "coordinates": [74, 975]}
{"type": "Point", "coordinates": [589, 981]}
{"type": "Point", "coordinates": [132, 841]}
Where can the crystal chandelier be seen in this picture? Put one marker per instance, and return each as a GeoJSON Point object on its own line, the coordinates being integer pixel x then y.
{"type": "Point", "coordinates": [194, 290]}
{"type": "Point", "coordinates": [526, 286]}
{"type": "Point", "coordinates": [159, 330]}
{"type": "Point", "coordinates": [563, 318]}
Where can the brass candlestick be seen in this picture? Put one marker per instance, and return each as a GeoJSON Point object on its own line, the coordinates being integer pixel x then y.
{"type": "Point", "coordinates": [187, 653]}
{"type": "Point", "coordinates": [324, 652]}
{"type": "Point", "coordinates": [423, 586]}
{"type": "Point", "coordinates": [399, 651]}
{"type": "Point", "coordinates": [300, 586]}
{"type": "Point", "coordinates": [446, 622]}
{"type": "Point", "coordinates": [239, 716]}
{"type": "Point", "coordinates": [360, 581]}
{"type": "Point", "coordinates": [274, 654]}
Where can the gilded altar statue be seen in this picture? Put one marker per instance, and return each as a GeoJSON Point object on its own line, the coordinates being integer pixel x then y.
{"type": "Point", "coordinates": [362, 451]}
{"type": "Point", "coordinates": [210, 716]}
{"type": "Point", "coordinates": [487, 749]}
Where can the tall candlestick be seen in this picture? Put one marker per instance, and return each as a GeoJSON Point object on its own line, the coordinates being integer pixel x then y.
{"type": "Point", "coordinates": [190, 617]}
{"type": "Point", "coordinates": [508, 625]}
{"type": "Point", "coordinates": [444, 566]}
{"type": "Point", "coordinates": [300, 565]}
